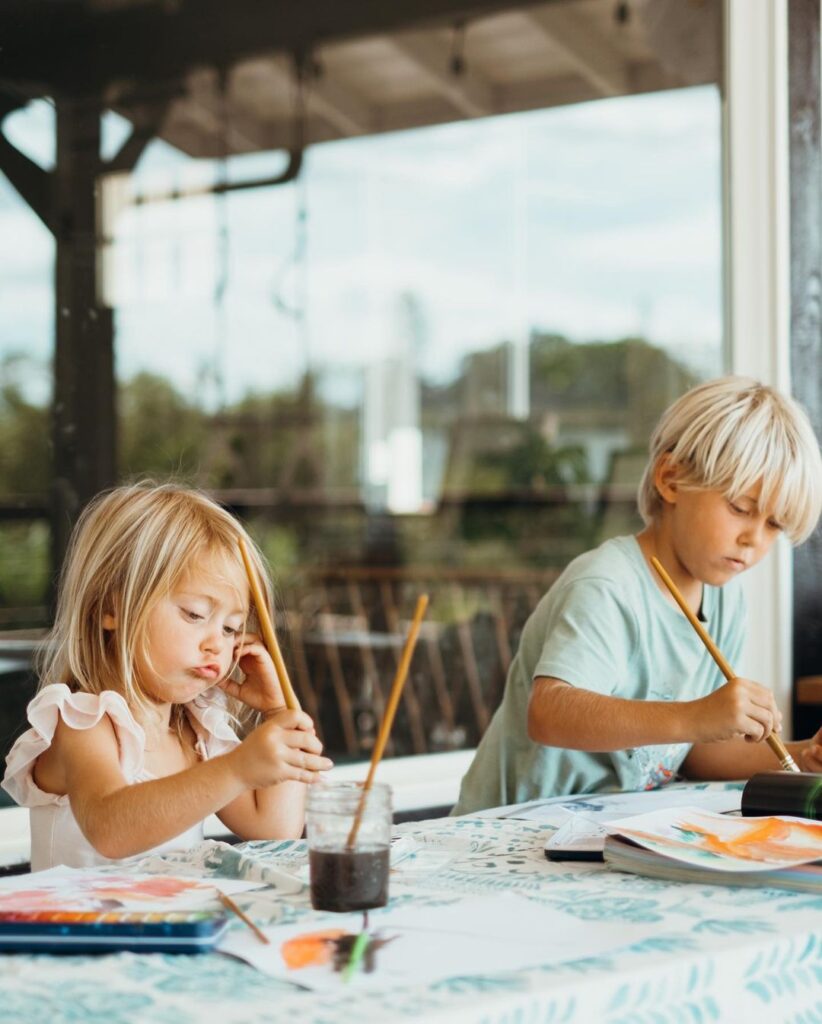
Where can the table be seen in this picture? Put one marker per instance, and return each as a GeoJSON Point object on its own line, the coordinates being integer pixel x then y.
{"type": "Point", "coordinates": [715, 953]}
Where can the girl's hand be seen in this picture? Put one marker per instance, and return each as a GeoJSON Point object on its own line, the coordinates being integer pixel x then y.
{"type": "Point", "coordinates": [740, 708]}
{"type": "Point", "coordinates": [282, 748]}
{"type": "Point", "coordinates": [809, 754]}
{"type": "Point", "coordinates": [261, 689]}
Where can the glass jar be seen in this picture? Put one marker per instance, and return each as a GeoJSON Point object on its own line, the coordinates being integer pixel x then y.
{"type": "Point", "coordinates": [348, 870]}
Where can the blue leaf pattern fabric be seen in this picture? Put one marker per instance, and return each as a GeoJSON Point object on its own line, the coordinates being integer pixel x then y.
{"type": "Point", "coordinates": [714, 953]}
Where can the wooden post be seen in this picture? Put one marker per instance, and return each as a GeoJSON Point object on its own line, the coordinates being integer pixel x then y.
{"type": "Point", "coordinates": [83, 418]}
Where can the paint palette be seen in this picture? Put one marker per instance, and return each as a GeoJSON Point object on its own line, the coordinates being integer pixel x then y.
{"type": "Point", "coordinates": [89, 931]}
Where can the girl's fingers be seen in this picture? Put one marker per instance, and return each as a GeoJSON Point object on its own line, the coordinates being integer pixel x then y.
{"type": "Point", "coordinates": [311, 763]}
{"type": "Point", "coordinates": [256, 650]}
{"type": "Point", "coordinates": [303, 741]}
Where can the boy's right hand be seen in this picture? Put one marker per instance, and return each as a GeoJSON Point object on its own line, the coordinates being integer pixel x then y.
{"type": "Point", "coordinates": [739, 708]}
{"type": "Point", "coordinates": [284, 747]}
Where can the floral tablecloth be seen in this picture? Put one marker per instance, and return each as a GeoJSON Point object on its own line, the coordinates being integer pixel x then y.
{"type": "Point", "coordinates": [713, 953]}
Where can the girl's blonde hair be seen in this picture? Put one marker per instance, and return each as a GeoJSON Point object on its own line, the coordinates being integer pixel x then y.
{"type": "Point", "coordinates": [130, 547]}
{"type": "Point", "coordinates": [730, 433]}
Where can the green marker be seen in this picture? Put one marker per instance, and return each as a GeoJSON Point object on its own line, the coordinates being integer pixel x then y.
{"type": "Point", "coordinates": [357, 953]}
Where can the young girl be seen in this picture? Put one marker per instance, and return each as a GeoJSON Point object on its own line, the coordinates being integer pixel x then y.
{"type": "Point", "coordinates": [131, 744]}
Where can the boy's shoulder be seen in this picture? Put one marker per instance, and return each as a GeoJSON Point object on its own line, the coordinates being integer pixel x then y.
{"type": "Point", "coordinates": [618, 561]}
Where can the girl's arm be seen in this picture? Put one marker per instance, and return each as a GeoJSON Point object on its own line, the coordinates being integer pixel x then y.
{"type": "Point", "coordinates": [273, 812]}
{"type": "Point", "coordinates": [120, 820]}
{"type": "Point", "coordinates": [561, 715]}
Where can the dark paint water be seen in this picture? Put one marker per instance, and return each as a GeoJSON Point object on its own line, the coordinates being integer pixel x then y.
{"type": "Point", "coordinates": [348, 880]}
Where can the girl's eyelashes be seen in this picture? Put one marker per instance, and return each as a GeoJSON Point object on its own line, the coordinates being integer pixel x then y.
{"type": "Point", "coordinates": [192, 616]}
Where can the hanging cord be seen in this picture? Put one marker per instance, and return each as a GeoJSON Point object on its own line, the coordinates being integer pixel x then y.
{"type": "Point", "coordinates": [297, 260]}
{"type": "Point", "coordinates": [457, 60]}
{"type": "Point", "coordinates": [223, 242]}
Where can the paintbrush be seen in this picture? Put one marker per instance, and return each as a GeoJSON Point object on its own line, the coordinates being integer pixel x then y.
{"type": "Point", "coordinates": [774, 742]}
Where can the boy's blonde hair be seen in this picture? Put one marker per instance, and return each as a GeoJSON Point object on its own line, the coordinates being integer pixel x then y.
{"type": "Point", "coordinates": [130, 547]}
{"type": "Point", "coordinates": [727, 435]}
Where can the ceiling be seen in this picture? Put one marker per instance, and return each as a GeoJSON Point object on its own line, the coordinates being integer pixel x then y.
{"type": "Point", "coordinates": [212, 78]}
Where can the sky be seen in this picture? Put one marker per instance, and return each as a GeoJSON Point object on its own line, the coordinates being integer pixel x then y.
{"type": "Point", "coordinates": [595, 221]}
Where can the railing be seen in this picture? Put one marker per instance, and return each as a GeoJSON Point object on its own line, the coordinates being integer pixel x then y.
{"type": "Point", "coordinates": [343, 628]}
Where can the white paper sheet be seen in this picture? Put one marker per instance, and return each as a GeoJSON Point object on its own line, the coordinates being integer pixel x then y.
{"type": "Point", "coordinates": [585, 830]}
{"type": "Point", "coordinates": [478, 935]}
{"type": "Point", "coordinates": [63, 888]}
{"type": "Point", "coordinates": [604, 807]}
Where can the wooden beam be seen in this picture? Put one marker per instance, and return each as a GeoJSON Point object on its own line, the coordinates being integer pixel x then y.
{"type": "Point", "coordinates": [84, 423]}
{"type": "Point", "coordinates": [146, 124]}
{"type": "Point", "coordinates": [325, 97]}
{"type": "Point", "coordinates": [30, 180]}
{"type": "Point", "coordinates": [469, 93]}
{"type": "Point", "coordinates": [72, 47]}
{"type": "Point", "coordinates": [590, 52]}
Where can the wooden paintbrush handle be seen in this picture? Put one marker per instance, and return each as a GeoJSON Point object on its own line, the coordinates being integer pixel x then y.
{"type": "Point", "coordinates": [267, 629]}
{"type": "Point", "coordinates": [773, 741]}
{"type": "Point", "coordinates": [390, 711]}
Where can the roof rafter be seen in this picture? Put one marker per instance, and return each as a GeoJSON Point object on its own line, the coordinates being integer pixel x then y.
{"type": "Point", "coordinates": [468, 92]}
{"type": "Point", "coordinates": [587, 49]}
{"type": "Point", "coordinates": [335, 104]}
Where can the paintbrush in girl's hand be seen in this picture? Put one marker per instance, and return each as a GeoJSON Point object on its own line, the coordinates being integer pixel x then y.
{"type": "Point", "coordinates": [267, 630]}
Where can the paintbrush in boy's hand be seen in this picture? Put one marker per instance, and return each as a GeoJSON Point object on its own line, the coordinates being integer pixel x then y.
{"type": "Point", "coordinates": [774, 742]}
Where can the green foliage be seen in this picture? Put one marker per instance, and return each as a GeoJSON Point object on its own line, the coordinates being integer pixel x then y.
{"type": "Point", "coordinates": [24, 568]}
{"type": "Point", "coordinates": [160, 434]}
{"type": "Point", "coordinates": [295, 444]}
{"type": "Point", "coordinates": [24, 433]}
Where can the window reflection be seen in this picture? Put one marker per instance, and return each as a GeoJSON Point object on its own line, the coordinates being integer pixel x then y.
{"type": "Point", "coordinates": [431, 362]}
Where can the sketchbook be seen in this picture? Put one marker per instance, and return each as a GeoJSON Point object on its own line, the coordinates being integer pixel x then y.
{"type": "Point", "coordinates": [581, 821]}
{"type": "Point", "coordinates": [692, 845]}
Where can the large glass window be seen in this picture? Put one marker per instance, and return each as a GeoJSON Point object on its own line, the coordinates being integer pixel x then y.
{"type": "Point", "coordinates": [432, 361]}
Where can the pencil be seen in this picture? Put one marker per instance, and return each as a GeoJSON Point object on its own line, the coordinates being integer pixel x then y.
{"type": "Point", "coordinates": [229, 903]}
{"type": "Point", "coordinates": [774, 742]}
{"type": "Point", "coordinates": [267, 629]}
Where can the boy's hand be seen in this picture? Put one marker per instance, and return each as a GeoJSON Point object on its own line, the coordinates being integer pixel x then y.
{"type": "Point", "coordinates": [283, 747]}
{"type": "Point", "coordinates": [809, 754]}
{"type": "Point", "coordinates": [261, 689]}
{"type": "Point", "coordinates": [739, 708]}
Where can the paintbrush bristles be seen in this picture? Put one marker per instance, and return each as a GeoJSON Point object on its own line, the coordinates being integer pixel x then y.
{"type": "Point", "coordinates": [267, 630]}
{"type": "Point", "coordinates": [390, 711]}
{"type": "Point", "coordinates": [773, 741]}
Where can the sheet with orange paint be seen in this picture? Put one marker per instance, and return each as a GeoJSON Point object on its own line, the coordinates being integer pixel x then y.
{"type": "Point", "coordinates": [706, 840]}
{"type": "Point", "coordinates": [81, 889]}
{"type": "Point", "coordinates": [457, 936]}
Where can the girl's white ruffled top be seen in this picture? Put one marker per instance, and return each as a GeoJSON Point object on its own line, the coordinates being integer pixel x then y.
{"type": "Point", "coordinates": [55, 835]}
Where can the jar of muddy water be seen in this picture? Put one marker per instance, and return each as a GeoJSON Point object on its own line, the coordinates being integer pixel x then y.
{"type": "Point", "coordinates": [349, 837]}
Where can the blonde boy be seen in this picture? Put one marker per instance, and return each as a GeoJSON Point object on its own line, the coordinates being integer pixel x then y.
{"type": "Point", "coordinates": [611, 688]}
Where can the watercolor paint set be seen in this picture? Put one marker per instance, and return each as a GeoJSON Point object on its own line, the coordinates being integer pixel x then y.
{"type": "Point", "coordinates": [90, 931]}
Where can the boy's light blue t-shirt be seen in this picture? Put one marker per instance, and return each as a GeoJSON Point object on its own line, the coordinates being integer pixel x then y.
{"type": "Point", "coordinates": [603, 626]}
